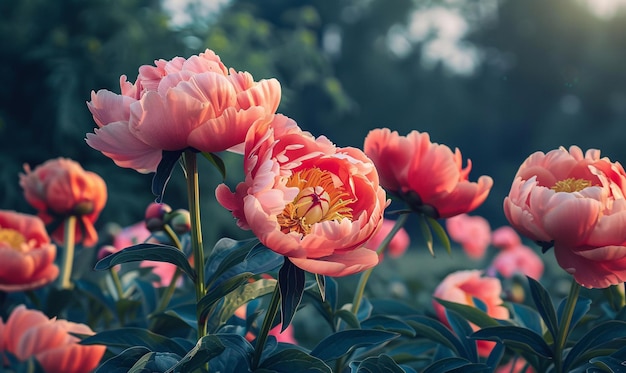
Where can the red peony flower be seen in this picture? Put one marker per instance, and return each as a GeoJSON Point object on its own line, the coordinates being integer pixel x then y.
{"type": "Point", "coordinates": [30, 333]}
{"type": "Point", "coordinates": [576, 202]}
{"type": "Point", "coordinates": [428, 176]}
{"type": "Point", "coordinates": [60, 188]}
{"type": "Point", "coordinates": [398, 244]}
{"type": "Point", "coordinates": [308, 200]}
{"type": "Point", "coordinates": [178, 104]}
{"type": "Point", "coordinates": [26, 254]}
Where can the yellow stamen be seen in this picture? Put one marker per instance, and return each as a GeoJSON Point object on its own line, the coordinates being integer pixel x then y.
{"type": "Point", "coordinates": [319, 200]}
{"type": "Point", "coordinates": [13, 238]}
{"type": "Point", "coordinates": [571, 185]}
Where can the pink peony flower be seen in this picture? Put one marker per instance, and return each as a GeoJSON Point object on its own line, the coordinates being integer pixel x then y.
{"type": "Point", "coordinates": [398, 244]}
{"type": "Point", "coordinates": [461, 287]}
{"type": "Point", "coordinates": [576, 202]}
{"type": "Point", "coordinates": [520, 259]}
{"type": "Point", "coordinates": [30, 333]}
{"type": "Point", "coordinates": [505, 237]}
{"type": "Point", "coordinates": [178, 104]}
{"type": "Point", "coordinates": [428, 176]}
{"type": "Point", "coordinates": [306, 199]}
{"type": "Point", "coordinates": [472, 232]}
{"type": "Point", "coordinates": [26, 253]}
{"type": "Point", "coordinates": [60, 188]}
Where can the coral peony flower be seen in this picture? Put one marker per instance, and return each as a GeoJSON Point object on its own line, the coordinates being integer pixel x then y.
{"type": "Point", "coordinates": [462, 287]}
{"type": "Point", "coordinates": [30, 333]}
{"type": "Point", "coordinates": [60, 188]}
{"type": "Point", "coordinates": [520, 259]}
{"type": "Point", "coordinates": [26, 253]}
{"type": "Point", "coordinates": [472, 232]}
{"type": "Point", "coordinates": [576, 202]}
{"type": "Point", "coordinates": [306, 199]}
{"type": "Point", "coordinates": [398, 244]}
{"type": "Point", "coordinates": [516, 365]}
{"type": "Point", "coordinates": [428, 176]}
{"type": "Point", "coordinates": [505, 237]}
{"type": "Point", "coordinates": [178, 104]}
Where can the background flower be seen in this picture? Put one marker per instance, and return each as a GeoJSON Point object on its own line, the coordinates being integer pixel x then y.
{"type": "Point", "coordinates": [26, 254]}
{"type": "Point", "coordinates": [576, 202]}
{"type": "Point", "coordinates": [60, 188]}
{"type": "Point", "coordinates": [30, 333]}
{"type": "Point", "coordinates": [306, 199]}
{"type": "Point", "coordinates": [398, 244]}
{"type": "Point", "coordinates": [514, 257]}
{"type": "Point", "coordinates": [177, 104]}
{"type": "Point", "coordinates": [429, 176]}
{"type": "Point", "coordinates": [472, 232]}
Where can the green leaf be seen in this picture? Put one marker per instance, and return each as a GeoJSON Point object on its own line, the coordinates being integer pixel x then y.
{"type": "Point", "coordinates": [455, 364]}
{"type": "Point", "coordinates": [291, 281]}
{"type": "Point", "coordinates": [219, 292]}
{"type": "Point", "coordinates": [440, 233]}
{"type": "Point", "coordinates": [341, 343]}
{"type": "Point", "coordinates": [217, 162]}
{"type": "Point", "coordinates": [349, 318]}
{"type": "Point", "coordinates": [123, 361]}
{"type": "Point", "coordinates": [594, 339]}
{"type": "Point", "coordinates": [609, 363]}
{"type": "Point", "coordinates": [428, 236]}
{"type": "Point", "coordinates": [293, 360]}
{"type": "Point", "coordinates": [164, 172]}
{"type": "Point", "coordinates": [155, 362]}
{"type": "Point", "coordinates": [515, 337]}
{"type": "Point", "coordinates": [472, 314]}
{"type": "Point", "coordinates": [463, 330]}
{"type": "Point", "coordinates": [437, 332]}
{"type": "Point", "coordinates": [544, 305]}
{"type": "Point", "coordinates": [207, 348]}
{"type": "Point", "coordinates": [528, 317]}
{"type": "Point", "coordinates": [321, 284]}
{"type": "Point", "coordinates": [148, 251]}
{"type": "Point", "coordinates": [131, 337]}
{"type": "Point", "coordinates": [583, 305]}
{"type": "Point", "coordinates": [226, 254]}
{"type": "Point", "coordinates": [388, 323]}
{"type": "Point", "coordinates": [379, 364]}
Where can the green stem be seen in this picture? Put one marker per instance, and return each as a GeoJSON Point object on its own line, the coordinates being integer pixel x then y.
{"type": "Point", "coordinates": [67, 255]}
{"type": "Point", "coordinates": [169, 292]}
{"type": "Point", "coordinates": [272, 310]}
{"type": "Point", "coordinates": [116, 281]}
{"type": "Point", "coordinates": [564, 326]}
{"type": "Point", "coordinates": [193, 196]}
{"type": "Point", "coordinates": [360, 290]}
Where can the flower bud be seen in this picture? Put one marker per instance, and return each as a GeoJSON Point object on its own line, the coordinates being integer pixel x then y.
{"type": "Point", "coordinates": [155, 216]}
{"type": "Point", "coordinates": [179, 220]}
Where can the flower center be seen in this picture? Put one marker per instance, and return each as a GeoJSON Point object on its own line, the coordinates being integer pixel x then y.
{"type": "Point", "coordinates": [319, 200]}
{"type": "Point", "coordinates": [12, 239]}
{"type": "Point", "coordinates": [571, 185]}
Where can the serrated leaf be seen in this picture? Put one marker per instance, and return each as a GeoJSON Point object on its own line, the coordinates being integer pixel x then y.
{"type": "Point", "coordinates": [428, 236]}
{"type": "Point", "coordinates": [293, 360]}
{"type": "Point", "coordinates": [291, 281]}
{"type": "Point", "coordinates": [219, 292]}
{"type": "Point", "coordinates": [544, 305]}
{"type": "Point", "coordinates": [595, 338]}
{"type": "Point", "coordinates": [440, 233]}
{"type": "Point", "coordinates": [148, 251]}
{"type": "Point", "coordinates": [217, 162]}
{"type": "Point", "coordinates": [341, 343]}
{"type": "Point", "coordinates": [130, 337]}
{"type": "Point", "coordinates": [164, 172]}
{"type": "Point", "coordinates": [378, 364]}
{"type": "Point", "coordinates": [515, 337]}
{"type": "Point", "coordinates": [471, 314]}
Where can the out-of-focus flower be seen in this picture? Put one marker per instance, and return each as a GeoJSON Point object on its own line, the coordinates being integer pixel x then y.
{"type": "Point", "coordinates": [308, 200]}
{"type": "Point", "coordinates": [398, 244]}
{"type": "Point", "coordinates": [514, 257]}
{"type": "Point", "coordinates": [517, 365]}
{"type": "Point", "coordinates": [30, 333]}
{"type": "Point", "coordinates": [286, 336]}
{"type": "Point", "coordinates": [461, 287]}
{"type": "Point", "coordinates": [26, 253]}
{"type": "Point", "coordinates": [472, 232]}
{"type": "Point", "coordinates": [505, 237]}
{"type": "Point", "coordinates": [576, 202]}
{"type": "Point", "coordinates": [60, 188]}
{"type": "Point", "coordinates": [178, 104]}
{"type": "Point", "coordinates": [428, 176]}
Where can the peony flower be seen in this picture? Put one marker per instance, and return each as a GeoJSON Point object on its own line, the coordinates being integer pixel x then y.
{"type": "Point", "coordinates": [514, 257]}
{"type": "Point", "coordinates": [175, 105]}
{"type": "Point", "coordinates": [26, 253]}
{"type": "Point", "coordinates": [30, 333]}
{"type": "Point", "coordinates": [461, 287]}
{"type": "Point", "coordinates": [516, 365]}
{"type": "Point", "coordinates": [472, 232]}
{"type": "Point", "coordinates": [428, 176]}
{"type": "Point", "coordinates": [575, 202]}
{"type": "Point", "coordinates": [306, 199]}
{"type": "Point", "coordinates": [398, 244]}
{"type": "Point", "coordinates": [60, 188]}
{"type": "Point", "coordinates": [505, 237]}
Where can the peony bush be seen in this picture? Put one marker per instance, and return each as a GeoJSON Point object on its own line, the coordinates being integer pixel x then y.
{"type": "Point", "coordinates": [341, 270]}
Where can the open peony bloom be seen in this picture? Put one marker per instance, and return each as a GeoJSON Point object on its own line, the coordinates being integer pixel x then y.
{"type": "Point", "coordinates": [30, 333]}
{"type": "Point", "coordinates": [398, 244]}
{"type": "Point", "coordinates": [576, 202]}
{"type": "Point", "coordinates": [306, 199]}
{"type": "Point", "coordinates": [461, 287]}
{"type": "Point", "coordinates": [26, 253]}
{"type": "Point", "coordinates": [472, 232]}
{"type": "Point", "coordinates": [428, 176]}
{"type": "Point", "coordinates": [60, 188]}
{"type": "Point", "coordinates": [178, 104]}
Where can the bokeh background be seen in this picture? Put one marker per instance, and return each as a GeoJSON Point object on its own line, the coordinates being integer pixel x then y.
{"type": "Point", "coordinates": [499, 79]}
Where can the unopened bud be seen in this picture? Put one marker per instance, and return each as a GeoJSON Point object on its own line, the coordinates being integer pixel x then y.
{"type": "Point", "coordinates": [155, 216]}
{"type": "Point", "coordinates": [179, 220]}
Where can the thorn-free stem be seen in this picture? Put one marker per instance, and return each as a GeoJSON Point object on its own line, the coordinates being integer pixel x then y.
{"type": "Point", "coordinates": [67, 255]}
{"type": "Point", "coordinates": [564, 326]}
{"type": "Point", "coordinates": [272, 310]}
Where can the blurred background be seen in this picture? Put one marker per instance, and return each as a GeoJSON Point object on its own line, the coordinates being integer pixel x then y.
{"type": "Point", "coordinates": [499, 79]}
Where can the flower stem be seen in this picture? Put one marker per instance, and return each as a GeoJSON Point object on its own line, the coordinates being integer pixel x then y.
{"type": "Point", "coordinates": [564, 325]}
{"type": "Point", "coordinates": [193, 196]}
{"type": "Point", "coordinates": [117, 283]}
{"type": "Point", "coordinates": [67, 255]}
{"type": "Point", "coordinates": [272, 310]}
{"type": "Point", "coordinates": [169, 291]}
{"type": "Point", "coordinates": [358, 295]}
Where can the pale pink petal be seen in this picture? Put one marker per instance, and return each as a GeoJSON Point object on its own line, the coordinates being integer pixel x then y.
{"type": "Point", "coordinates": [339, 265]}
